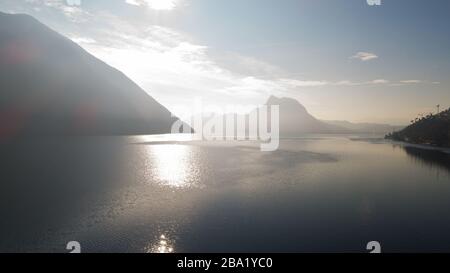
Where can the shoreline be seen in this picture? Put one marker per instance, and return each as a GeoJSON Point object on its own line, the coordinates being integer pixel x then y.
{"type": "Point", "coordinates": [420, 146]}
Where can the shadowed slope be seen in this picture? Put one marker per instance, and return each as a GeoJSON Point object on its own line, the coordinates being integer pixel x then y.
{"type": "Point", "coordinates": [50, 85]}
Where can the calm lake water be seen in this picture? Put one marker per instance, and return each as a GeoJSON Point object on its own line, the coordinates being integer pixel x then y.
{"type": "Point", "coordinates": [152, 194]}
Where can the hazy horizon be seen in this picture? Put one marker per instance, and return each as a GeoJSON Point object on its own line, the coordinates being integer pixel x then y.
{"type": "Point", "coordinates": [342, 61]}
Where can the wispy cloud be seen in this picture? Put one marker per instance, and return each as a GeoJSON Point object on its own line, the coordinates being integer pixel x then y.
{"type": "Point", "coordinates": [364, 56]}
{"type": "Point", "coordinates": [169, 66]}
{"type": "Point", "coordinates": [303, 83]}
{"type": "Point", "coordinates": [309, 83]}
{"type": "Point", "coordinates": [155, 4]}
{"type": "Point", "coordinates": [347, 83]}
{"type": "Point", "coordinates": [410, 81]}
{"type": "Point", "coordinates": [70, 8]}
{"type": "Point", "coordinates": [378, 81]}
{"type": "Point", "coordinates": [73, 2]}
{"type": "Point", "coordinates": [83, 40]}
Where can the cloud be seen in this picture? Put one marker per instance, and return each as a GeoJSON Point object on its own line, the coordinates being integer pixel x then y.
{"type": "Point", "coordinates": [301, 83]}
{"type": "Point", "coordinates": [347, 83]}
{"type": "Point", "coordinates": [245, 65]}
{"type": "Point", "coordinates": [294, 83]}
{"type": "Point", "coordinates": [71, 9]}
{"type": "Point", "coordinates": [83, 40]}
{"type": "Point", "coordinates": [378, 81]}
{"type": "Point", "coordinates": [309, 83]}
{"type": "Point", "coordinates": [411, 81]}
{"type": "Point", "coordinates": [73, 2]}
{"type": "Point", "coordinates": [133, 2]}
{"type": "Point", "coordinates": [364, 56]}
{"type": "Point", "coordinates": [170, 66]}
{"type": "Point", "coordinates": [155, 4]}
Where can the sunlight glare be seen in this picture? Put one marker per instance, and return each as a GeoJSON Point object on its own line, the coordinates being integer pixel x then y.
{"type": "Point", "coordinates": [163, 246]}
{"type": "Point", "coordinates": [174, 165]}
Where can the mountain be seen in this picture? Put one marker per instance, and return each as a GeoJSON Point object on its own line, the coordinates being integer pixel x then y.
{"type": "Point", "coordinates": [50, 85]}
{"type": "Point", "coordinates": [430, 130]}
{"type": "Point", "coordinates": [373, 128]}
{"type": "Point", "coordinates": [295, 119]}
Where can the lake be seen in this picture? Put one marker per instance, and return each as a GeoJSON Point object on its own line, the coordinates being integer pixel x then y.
{"type": "Point", "coordinates": [170, 194]}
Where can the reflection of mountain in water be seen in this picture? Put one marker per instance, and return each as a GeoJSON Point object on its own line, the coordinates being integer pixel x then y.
{"type": "Point", "coordinates": [431, 158]}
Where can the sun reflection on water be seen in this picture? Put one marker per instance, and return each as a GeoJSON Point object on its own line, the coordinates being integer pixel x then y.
{"type": "Point", "coordinates": [174, 165]}
{"type": "Point", "coordinates": [163, 245]}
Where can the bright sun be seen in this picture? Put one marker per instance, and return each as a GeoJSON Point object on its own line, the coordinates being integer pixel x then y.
{"type": "Point", "coordinates": [162, 4]}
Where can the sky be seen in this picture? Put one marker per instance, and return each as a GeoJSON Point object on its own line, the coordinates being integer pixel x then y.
{"type": "Point", "coordinates": [343, 60]}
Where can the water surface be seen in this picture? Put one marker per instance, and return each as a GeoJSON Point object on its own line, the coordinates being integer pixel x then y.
{"type": "Point", "coordinates": [168, 194]}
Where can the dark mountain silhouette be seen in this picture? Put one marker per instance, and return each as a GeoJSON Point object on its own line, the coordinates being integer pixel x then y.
{"type": "Point", "coordinates": [373, 128]}
{"type": "Point", "coordinates": [430, 130]}
{"type": "Point", "coordinates": [50, 85]}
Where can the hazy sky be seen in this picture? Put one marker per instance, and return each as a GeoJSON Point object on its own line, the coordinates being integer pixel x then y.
{"type": "Point", "coordinates": [341, 59]}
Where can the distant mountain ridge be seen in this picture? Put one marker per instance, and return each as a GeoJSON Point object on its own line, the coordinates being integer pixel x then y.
{"type": "Point", "coordinates": [50, 85]}
{"type": "Point", "coordinates": [296, 121]}
{"type": "Point", "coordinates": [371, 128]}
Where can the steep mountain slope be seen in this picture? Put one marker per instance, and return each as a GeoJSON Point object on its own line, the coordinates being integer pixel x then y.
{"type": "Point", "coordinates": [50, 85]}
